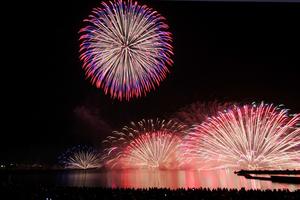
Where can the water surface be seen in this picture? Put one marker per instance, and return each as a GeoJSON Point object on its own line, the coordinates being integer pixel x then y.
{"type": "Point", "coordinates": [150, 178]}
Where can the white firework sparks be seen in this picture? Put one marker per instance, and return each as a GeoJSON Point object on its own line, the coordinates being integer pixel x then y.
{"type": "Point", "coordinates": [125, 48]}
{"type": "Point", "coordinates": [248, 137]}
{"type": "Point", "coordinates": [81, 158]}
{"type": "Point", "coordinates": [146, 144]}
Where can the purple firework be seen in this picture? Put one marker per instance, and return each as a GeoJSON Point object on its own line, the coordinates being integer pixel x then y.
{"type": "Point", "coordinates": [125, 48]}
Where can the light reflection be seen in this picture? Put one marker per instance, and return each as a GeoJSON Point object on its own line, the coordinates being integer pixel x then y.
{"type": "Point", "coordinates": [173, 179]}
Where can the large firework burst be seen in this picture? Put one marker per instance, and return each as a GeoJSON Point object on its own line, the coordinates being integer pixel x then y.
{"type": "Point", "coordinates": [146, 144]}
{"type": "Point", "coordinates": [81, 157]}
{"type": "Point", "coordinates": [197, 112]}
{"type": "Point", "coordinates": [126, 48]}
{"type": "Point", "coordinates": [250, 137]}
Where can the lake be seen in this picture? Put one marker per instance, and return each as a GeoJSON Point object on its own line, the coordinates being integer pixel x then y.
{"type": "Point", "coordinates": [143, 178]}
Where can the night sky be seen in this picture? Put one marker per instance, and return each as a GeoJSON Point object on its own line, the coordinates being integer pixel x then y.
{"type": "Point", "coordinates": [239, 52]}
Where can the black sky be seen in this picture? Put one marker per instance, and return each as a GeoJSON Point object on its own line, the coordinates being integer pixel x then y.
{"type": "Point", "coordinates": [226, 51]}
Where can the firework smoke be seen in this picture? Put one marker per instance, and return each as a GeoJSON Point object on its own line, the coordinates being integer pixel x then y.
{"type": "Point", "coordinates": [198, 112]}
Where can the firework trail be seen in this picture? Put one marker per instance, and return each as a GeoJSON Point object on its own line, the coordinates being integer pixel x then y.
{"type": "Point", "coordinates": [197, 112]}
{"type": "Point", "coordinates": [80, 157]}
{"type": "Point", "coordinates": [146, 144]}
{"type": "Point", "coordinates": [125, 48]}
{"type": "Point", "coordinates": [250, 137]}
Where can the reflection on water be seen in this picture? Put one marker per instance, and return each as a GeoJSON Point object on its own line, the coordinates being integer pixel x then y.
{"type": "Point", "coordinates": [165, 178]}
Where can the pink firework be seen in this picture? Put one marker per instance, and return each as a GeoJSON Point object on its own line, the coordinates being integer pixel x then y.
{"type": "Point", "coordinates": [249, 137]}
{"type": "Point", "coordinates": [146, 144]}
{"type": "Point", "coordinates": [125, 48]}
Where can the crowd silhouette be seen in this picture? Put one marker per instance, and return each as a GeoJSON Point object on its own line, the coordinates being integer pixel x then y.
{"type": "Point", "coordinates": [79, 193]}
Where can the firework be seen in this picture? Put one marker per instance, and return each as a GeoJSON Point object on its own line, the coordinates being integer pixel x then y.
{"type": "Point", "coordinates": [197, 112]}
{"type": "Point", "coordinates": [146, 144]}
{"type": "Point", "coordinates": [125, 48]}
{"type": "Point", "coordinates": [80, 157]}
{"type": "Point", "coordinates": [250, 137]}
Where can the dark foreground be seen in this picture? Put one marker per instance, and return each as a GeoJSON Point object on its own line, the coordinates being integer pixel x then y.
{"type": "Point", "coordinates": [70, 193]}
{"type": "Point", "coordinates": [279, 176]}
